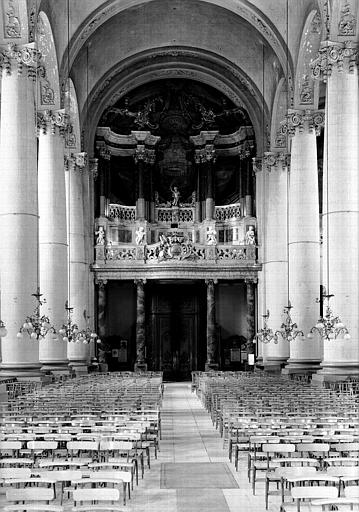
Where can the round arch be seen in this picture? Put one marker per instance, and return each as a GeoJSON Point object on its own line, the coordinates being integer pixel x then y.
{"type": "Point", "coordinates": [256, 18]}
{"type": "Point", "coordinates": [172, 62]}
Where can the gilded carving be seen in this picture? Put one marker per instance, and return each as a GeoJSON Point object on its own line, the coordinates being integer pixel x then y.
{"type": "Point", "coordinates": [47, 95]}
{"type": "Point", "coordinates": [316, 25]}
{"type": "Point", "coordinates": [11, 14]}
{"type": "Point", "coordinates": [347, 22]}
{"type": "Point", "coordinates": [306, 91]}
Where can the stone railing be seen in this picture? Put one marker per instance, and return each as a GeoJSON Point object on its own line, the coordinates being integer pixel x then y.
{"type": "Point", "coordinates": [168, 215]}
{"type": "Point", "coordinates": [121, 212]}
{"type": "Point", "coordinates": [186, 251]}
{"type": "Point", "coordinates": [228, 212]}
{"type": "Point", "coordinates": [238, 252]}
{"type": "Point", "coordinates": [120, 253]}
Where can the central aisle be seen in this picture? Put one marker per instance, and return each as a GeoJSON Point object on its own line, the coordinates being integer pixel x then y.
{"type": "Point", "coordinates": [192, 472]}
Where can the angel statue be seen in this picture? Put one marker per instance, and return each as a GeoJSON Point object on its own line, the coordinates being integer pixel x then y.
{"type": "Point", "coordinates": [175, 196]}
{"type": "Point", "coordinates": [140, 235]}
{"type": "Point", "coordinates": [250, 236]}
{"type": "Point", "coordinates": [211, 236]}
{"type": "Point", "coordinates": [100, 236]}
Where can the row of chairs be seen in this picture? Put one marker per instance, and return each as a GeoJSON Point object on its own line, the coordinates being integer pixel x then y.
{"type": "Point", "coordinates": [298, 440]}
{"type": "Point", "coordinates": [84, 441]}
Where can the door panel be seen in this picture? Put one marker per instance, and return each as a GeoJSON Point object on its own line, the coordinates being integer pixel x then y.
{"type": "Point", "coordinates": [174, 329]}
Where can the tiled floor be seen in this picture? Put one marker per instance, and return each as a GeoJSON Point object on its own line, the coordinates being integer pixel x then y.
{"type": "Point", "coordinates": [188, 436]}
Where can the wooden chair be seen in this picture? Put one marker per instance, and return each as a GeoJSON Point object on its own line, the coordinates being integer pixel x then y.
{"type": "Point", "coordinates": [271, 450]}
{"type": "Point", "coordinates": [301, 494]}
{"type": "Point", "coordinates": [101, 499]}
{"type": "Point", "coordinates": [279, 475]}
{"type": "Point", "coordinates": [36, 495]}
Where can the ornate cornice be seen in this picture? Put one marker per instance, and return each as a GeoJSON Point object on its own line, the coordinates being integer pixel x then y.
{"type": "Point", "coordinates": [53, 120]}
{"type": "Point", "coordinates": [302, 120]}
{"type": "Point", "coordinates": [344, 55]}
{"type": "Point", "coordinates": [13, 57]}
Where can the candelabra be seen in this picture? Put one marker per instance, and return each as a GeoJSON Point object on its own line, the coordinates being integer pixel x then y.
{"type": "Point", "coordinates": [329, 326]}
{"type": "Point", "coordinates": [37, 326]}
{"type": "Point", "coordinates": [266, 335]}
{"type": "Point", "coordinates": [70, 332]}
{"type": "Point", "coordinates": [289, 329]}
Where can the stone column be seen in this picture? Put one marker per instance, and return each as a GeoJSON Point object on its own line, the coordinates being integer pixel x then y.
{"type": "Point", "coordinates": [337, 64]}
{"type": "Point", "coordinates": [52, 234]}
{"type": "Point", "coordinates": [275, 260]}
{"type": "Point", "coordinates": [212, 342]}
{"type": "Point", "coordinates": [140, 154]}
{"type": "Point", "coordinates": [105, 164]}
{"type": "Point", "coordinates": [210, 158]}
{"type": "Point", "coordinates": [18, 207]}
{"type": "Point", "coordinates": [304, 240]}
{"type": "Point", "coordinates": [140, 326]}
{"type": "Point", "coordinates": [250, 317]}
{"type": "Point", "coordinates": [101, 308]}
{"type": "Point", "coordinates": [260, 215]}
{"type": "Point", "coordinates": [76, 165]}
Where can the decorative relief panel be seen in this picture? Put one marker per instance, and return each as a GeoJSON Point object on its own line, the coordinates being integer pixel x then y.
{"type": "Point", "coordinates": [347, 22]}
{"type": "Point", "coordinates": [11, 19]}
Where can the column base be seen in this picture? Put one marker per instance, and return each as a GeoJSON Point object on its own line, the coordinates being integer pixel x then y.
{"type": "Point", "coordinates": [78, 368]}
{"type": "Point", "coordinates": [27, 373]}
{"type": "Point", "coordinates": [56, 368]}
{"type": "Point", "coordinates": [300, 366]}
{"type": "Point", "coordinates": [140, 367]}
{"type": "Point", "coordinates": [214, 367]}
{"type": "Point", "coordinates": [273, 365]}
{"type": "Point", "coordinates": [335, 371]}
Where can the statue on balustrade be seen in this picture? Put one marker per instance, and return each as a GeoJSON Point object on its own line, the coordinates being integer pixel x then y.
{"type": "Point", "coordinates": [140, 235]}
{"type": "Point", "coordinates": [211, 236]}
{"type": "Point", "coordinates": [250, 236]}
{"type": "Point", "coordinates": [175, 196]}
{"type": "Point", "coordinates": [100, 236]}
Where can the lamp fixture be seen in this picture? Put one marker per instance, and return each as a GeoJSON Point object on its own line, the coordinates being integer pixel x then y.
{"type": "Point", "coordinates": [37, 326]}
{"type": "Point", "coordinates": [329, 326]}
{"type": "Point", "coordinates": [289, 329]}
{"type": "Point", "coordinates": [266, 335]}
{"type": "Point", "coordinates": [70, 332]}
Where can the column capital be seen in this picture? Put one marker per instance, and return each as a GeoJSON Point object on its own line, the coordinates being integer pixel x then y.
{"type": "Point", "coordinates": [303, 121]}
{"type": "Point", "coordinates": [75, 161]}
{"type": "Point", "coordinates": [140, 282]}
{"type": "Point", "coordinates": [251, 280]}
{"type": "Point", "coordinates": [275, 160]}
{"type": "Point", "coordinates": [15, 57]}
{"type": "Point", "coordinates": [55, 120]}
{"type": "Point", "coordinates": [205, 154]}
{"type": "Point", "coordinates": [344, 55]}
{"type": "Point", "coordinates": [211, 282]}
{"type": "Point", "coordinates": [101, 283]}
{"type": "Point", "coordinates": [143, 154]}
{"type": "Point", "coordinates": [104, 152]}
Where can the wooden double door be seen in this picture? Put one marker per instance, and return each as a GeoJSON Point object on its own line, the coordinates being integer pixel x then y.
{"type": "Point", "coordinates": [177, 329]}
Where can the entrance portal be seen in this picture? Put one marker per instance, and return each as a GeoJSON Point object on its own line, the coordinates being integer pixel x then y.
{"type": "Point", "coordinates": [177, 329]}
